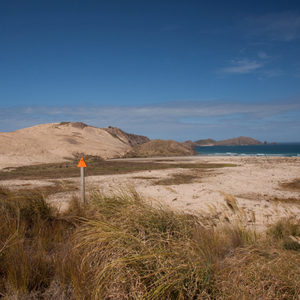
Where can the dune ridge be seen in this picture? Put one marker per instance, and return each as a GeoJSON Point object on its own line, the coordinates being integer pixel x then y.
{"type": "Point", "coordinates": [55, 142]}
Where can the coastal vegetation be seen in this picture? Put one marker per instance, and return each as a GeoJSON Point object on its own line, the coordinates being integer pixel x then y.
{"type": "Point", "coordinates": [160, 148]}
{"type": "Point", "coordinates": [123, 246]}
{"type": "Point", "coordinates": [97, 166]}
{"type": "Point", "coordinates": [207, 142]}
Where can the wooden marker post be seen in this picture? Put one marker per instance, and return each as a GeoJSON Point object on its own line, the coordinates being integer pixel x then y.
{"type": "Point", "coordinates": [82, 165]}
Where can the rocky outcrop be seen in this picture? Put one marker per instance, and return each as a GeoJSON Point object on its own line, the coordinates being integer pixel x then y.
{"type": "Point", "coordinates": [266, 143]}
{"type": "Point", "coordinates": [159, 148]}
{"type": "Point", "coordinates": [129, 139]}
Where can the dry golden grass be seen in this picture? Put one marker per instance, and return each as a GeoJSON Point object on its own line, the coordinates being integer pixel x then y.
{"type": "Point", "coordinates": [122, 247]}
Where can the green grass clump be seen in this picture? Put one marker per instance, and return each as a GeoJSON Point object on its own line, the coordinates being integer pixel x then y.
{"type": "Point", "coordinates": [124, 247]}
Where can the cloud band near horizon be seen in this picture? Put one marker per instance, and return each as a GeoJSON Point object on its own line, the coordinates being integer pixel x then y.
{"type": "Point", "coordinates": [179, 120]}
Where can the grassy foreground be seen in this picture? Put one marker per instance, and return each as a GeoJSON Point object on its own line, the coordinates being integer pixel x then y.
{"type": "Point", "coordinates": [121, 247]}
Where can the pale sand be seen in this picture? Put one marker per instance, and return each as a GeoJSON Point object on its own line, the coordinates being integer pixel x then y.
{"type": "Point", "coordinates": [254, 182]}
{"type": "Point", "coordinates": [50, 143]}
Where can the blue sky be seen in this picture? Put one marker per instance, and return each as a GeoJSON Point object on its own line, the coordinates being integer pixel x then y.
{"type": "Point", "coordinates": [182, 70]}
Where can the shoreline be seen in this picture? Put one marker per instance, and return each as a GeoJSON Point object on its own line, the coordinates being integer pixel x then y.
{"type": "Point", "coordinates": [270, 150]}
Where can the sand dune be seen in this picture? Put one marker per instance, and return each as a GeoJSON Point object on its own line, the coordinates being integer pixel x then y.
{"type": "Point", "coordinates": [54, 142]}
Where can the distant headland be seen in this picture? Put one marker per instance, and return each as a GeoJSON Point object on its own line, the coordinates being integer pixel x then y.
{"type": "Point", "coordinates": [239, 141]}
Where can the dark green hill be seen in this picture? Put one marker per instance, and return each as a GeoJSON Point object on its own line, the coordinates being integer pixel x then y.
{"type": "Point", "coordinates": [207, 142]}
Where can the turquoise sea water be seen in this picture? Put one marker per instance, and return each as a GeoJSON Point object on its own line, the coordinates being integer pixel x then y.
{"type": "Point", "coordinates": [284, 150]}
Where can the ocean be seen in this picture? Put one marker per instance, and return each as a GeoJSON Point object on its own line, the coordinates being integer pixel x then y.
{"type": "Point", "coordinates": [281, 150]}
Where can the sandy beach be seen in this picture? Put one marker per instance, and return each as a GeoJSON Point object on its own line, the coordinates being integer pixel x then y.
{"type": "Point", "coordinates": [254, 181]}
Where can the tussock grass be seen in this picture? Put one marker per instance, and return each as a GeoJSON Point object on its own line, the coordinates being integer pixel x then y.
{"type": "Point", "coordinates": [148, 252]}
{"type": "Point", "coordinates": [31, 237]}
{"type": "Point", "coordinates": [123, 247]}
{"type": "Point", "coordinates": [256, 273]}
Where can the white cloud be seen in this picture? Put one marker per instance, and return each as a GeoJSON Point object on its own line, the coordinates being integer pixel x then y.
{"type": "Point", "coordinates": [263, 55]}
{"type": "Point", "coordinates": [178, 120]}
{"type": "Point", "coordinates": [258, 66]}
{"type": "Point", "coordinates": [242, 66]}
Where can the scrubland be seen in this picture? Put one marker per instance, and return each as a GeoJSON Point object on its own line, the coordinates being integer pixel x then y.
{"type": "Point", "coordinates": [123, 246]}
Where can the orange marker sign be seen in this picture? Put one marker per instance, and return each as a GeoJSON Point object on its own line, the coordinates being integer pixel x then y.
{"type": "Point", "coordinates": [82, 163]}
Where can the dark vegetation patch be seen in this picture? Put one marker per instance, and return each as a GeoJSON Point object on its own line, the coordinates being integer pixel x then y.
{"type": "Point", "coordinates": [257, 197]}
{"type": "Point", "coordinates": [205, 142]}
{"type": "Point", "coordinates": [144, 177]}
{"type": "Point", "coordinates": [96, 166]}
{"type": "Point", "coordinates": [79, 155]}
{"type": "Point", "coordinates": [293, 185]}
{"type": "Point", "coordinates": [285, 200]}
{"type": "Point", "coordinates": [160, 148]}
{"type": "Point", "coordinates": [79, 125]}
{"type": "Point", "coordinates": [177, 179]}
{"type": "Point", "coordinates": [250, 196]}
